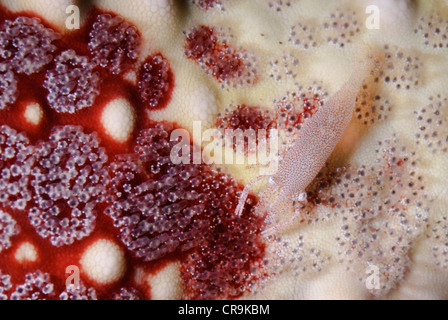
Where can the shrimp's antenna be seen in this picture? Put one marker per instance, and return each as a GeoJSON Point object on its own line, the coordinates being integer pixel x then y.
{"type": "Point", "coordinates": [243, 196]}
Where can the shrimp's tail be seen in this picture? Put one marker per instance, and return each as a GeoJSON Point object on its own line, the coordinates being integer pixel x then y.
{"type": "Point", "coordinates": [243, 196]}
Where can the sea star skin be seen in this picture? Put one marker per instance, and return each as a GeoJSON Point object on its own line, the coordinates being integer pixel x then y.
{"type": "Point", "coordinates": [324, 253]}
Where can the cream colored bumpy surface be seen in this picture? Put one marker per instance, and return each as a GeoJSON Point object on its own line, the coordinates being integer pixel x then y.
{"type": "Point", "coordinates": [374, 224]}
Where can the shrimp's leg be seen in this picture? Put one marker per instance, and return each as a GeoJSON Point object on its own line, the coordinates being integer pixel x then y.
{"type": "Point", "coordinates": [243, 197]}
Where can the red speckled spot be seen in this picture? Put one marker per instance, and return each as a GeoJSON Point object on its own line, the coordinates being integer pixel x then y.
{"type": "Point", "coordinates": [79, 292]}
{"type": "Point", "coordinates": [226, 263]}
{"type": "Point", "coordinates": [114, 43]}
{"type": "Point", "coordinates": [67, 180]}
{"type": "Point", "coordinates": [8, 229]}
{"type": "Point", "coordinates": [15, 167]}
{"type": "Point", "coordinates": [8, 87]}
{"type": "Point", "coordinates": [228, 65]}
{"type": "Point", "coordinates": [5, 285]}
{"type": "Point", "coordinates": [294, 111]}
{"type": "Point", "coordinates": [208, 4]}
{"type": "Point", "coordinates": [155, 82]}
{"type": "Point", "coordinates": [73, 84]}
{"type": "Point", "coordinates": [161, 207]}
{"type": "Point", "coordinates": [26, 45]}
{"type": "Point", "coordinates": [37, 286]}
{"type": "Point", "coordinates": [246, 118]}
{"type": "Point", "coordinates": [127, 294]}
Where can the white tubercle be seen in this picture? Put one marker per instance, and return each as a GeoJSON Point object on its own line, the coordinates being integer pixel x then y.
{"type": "Point", "coordinates": [26, 252]}
{"type": "Point", "coordinates": [167, 283]}
{"type": "Point", "coordinates": [118, 119]}
{"type": "Point", "coordinates": [104, 262]}
{"type": "Point", "coordinates": [33, 113]}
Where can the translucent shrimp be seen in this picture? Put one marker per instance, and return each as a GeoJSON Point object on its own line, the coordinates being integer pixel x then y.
{"type": "Point", "coordinates": [301, 163]}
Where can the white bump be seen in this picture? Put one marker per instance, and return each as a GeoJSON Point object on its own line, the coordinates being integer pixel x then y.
{"type": "Point", "coordinates": [33, 113]}
{"type": "Point", "coordinates": [118, 119]}
{"type": "Point", "coordinates": [26, 252]}
{"type": "Point", "coordinates": [159, 6]}
{"type": "Point", "coordinates": [166, 284]}
{"type": "Point", "coordinates": [203, 105]}
{"type": "Point", "coordinates": [104, 262]}
{"type": "Point", "coordinates": [302, 197]}
{"type": "Point", "coordinates": [131, 76]}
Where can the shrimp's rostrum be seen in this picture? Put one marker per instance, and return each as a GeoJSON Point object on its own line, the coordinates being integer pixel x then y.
{"type": "Point", "coordinates": [303, 160]}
